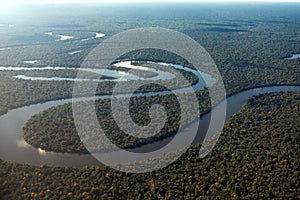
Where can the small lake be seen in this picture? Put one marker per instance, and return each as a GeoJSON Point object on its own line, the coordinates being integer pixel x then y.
{"type": "Point", "coordinates": [74, 52]}
{"type": "Point", "coordinates": [294, 56]}
{"type": "Point", "coordinates": [65, 37]}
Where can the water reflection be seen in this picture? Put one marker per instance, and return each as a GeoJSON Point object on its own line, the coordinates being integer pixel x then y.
{"type": "Point", "coordinates": [21, 143]}
{"type": "Point", "coordinates": [15, 149]}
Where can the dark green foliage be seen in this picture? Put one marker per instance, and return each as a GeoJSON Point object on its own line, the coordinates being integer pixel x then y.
{"type": "Point", "coordinates": [256, 157]}
{"type": "Point", "coordinates": [226, 30]}
{"type": "Point", "coordinates": [54, 129]}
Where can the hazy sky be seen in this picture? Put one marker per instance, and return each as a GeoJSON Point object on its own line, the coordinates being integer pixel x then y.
{"type": "Point", "coordinates": [117, 1]}
{"type": "Point", "coordinates": [8, 5]}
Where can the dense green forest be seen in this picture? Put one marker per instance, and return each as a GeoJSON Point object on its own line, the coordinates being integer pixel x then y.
{"type": "Point", "coordinates": [246, 59]}
{"type": "Point", "coordinates": [54, 128]}
{"type": "Point", "coordinates": [257, 156]}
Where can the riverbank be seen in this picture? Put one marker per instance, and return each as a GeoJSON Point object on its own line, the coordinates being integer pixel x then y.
{"type": "Point", "coordinates": [33, 156]}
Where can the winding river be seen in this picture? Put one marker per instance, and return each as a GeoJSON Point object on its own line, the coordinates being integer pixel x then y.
{"type": "Point", "coordinates": [13, 147]}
